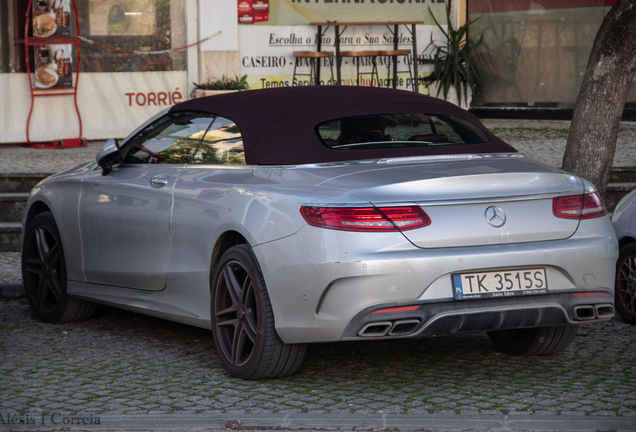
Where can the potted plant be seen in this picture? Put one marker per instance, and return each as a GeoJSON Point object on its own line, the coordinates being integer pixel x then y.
{"type": "Point", "coordinates": [223, 85]}
{"type": "Point", "coordinates": [455, 64]}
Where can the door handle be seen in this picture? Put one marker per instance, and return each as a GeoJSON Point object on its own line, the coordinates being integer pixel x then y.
{"type": "Point", "coordinates": [159, 181]}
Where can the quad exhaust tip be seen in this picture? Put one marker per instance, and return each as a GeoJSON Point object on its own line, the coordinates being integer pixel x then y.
{"type": "Point", "coordinates": [591, 312]}
{"type": "Point", "coordinates": [391, 328]}
{"type": "Point", "coordinates": [409, 326]}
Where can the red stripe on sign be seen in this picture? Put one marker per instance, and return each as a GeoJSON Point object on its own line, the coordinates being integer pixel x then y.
{"type": "Point", "coordinates": [397, 309]}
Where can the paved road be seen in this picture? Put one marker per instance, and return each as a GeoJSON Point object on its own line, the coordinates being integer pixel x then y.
{"type": "Point", "coordinates": [121, 364]}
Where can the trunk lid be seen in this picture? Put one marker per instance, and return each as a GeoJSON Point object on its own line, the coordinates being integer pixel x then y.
{"type": "Point", "coordinates": [473, 202]}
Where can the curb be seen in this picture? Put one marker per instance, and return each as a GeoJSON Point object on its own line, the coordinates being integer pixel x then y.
{"type": "Point", "coordinates": [12, 291]}
{"type": "Point", "coordinates": [322, 422]}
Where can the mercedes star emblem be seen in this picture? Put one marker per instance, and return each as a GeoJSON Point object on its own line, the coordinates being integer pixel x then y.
{"type": "Point", "coordinates": [495, 216]}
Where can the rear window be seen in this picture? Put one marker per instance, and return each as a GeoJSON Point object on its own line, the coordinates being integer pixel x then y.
{"type": "Point", "coordinates": [379, 131]}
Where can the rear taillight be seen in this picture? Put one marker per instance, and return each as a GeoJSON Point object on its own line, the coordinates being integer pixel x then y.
{"type": "Point", "coordinates": [586, 206]}
{"type": "Point", "coordinates": [366, 218]}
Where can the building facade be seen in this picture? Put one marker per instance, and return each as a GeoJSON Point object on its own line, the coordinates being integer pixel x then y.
{"type": "Point", "coordinates": [140, 56]}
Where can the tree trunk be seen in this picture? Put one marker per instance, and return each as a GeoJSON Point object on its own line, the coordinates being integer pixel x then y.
{"type": "Point", "coordinates": [597, 114]}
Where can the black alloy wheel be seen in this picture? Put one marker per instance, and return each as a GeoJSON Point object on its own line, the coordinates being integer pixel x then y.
{"type": "Point", "coordinates": [625, 288]}
{"type": "Point", "coordinates": [243, 321]}
{"type": "Point", "coordinates": [44, 274]}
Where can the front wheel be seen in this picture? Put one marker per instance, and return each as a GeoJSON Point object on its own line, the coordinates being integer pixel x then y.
{"type": "Point", "coordinates": [243, 321]}
{"type": "Point", "coordinates": [625, 288]}
{"type": "Point", "coordinates": [44, 274]}
{"type": "Point", "coordinates": [534, 341]}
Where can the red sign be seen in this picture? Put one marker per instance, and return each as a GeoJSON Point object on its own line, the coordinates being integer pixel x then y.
{"type": "Point", "coordinates": [253, 11]}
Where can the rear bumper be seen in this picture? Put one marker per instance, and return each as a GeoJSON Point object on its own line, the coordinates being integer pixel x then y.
{"type": "Point", "coordinates": [323, 283]}
{"type": "Point", "coordinates": [483, 315]}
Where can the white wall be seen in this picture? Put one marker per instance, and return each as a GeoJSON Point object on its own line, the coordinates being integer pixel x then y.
{"type": "Point", "coordinates": [219, 55]}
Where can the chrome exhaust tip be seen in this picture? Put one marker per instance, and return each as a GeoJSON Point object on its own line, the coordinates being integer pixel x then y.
{"type": "Point", "coordinates": [404, 327]}
{"type": "Point", "coordinates": [584, 313]}
{"type": "Point", "coordinates": [604, 311]}
{"type": "Point", "coordinates": [376, 329]}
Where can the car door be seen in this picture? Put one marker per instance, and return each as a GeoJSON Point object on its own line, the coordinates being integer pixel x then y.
{"type": "Point", "coordinates": [125, 216]}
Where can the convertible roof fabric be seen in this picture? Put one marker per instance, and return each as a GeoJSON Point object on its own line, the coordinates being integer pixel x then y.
{"type": "Point", "coordinates": [278, 126]}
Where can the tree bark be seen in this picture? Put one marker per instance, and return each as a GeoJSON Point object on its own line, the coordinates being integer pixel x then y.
{"type": "Point", "coordinates": [591, 145]}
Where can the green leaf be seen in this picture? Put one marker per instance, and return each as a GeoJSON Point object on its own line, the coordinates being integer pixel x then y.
{"type": "Point", "coordinates": [456, 62]}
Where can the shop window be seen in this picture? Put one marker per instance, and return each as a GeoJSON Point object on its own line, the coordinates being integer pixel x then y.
{"type": "Point", "coordinates": [124, 26]}
{"type": "Point", "coordinates": [133, 25]}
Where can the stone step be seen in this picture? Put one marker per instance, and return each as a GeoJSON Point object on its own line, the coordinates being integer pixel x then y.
{"type": "Point", "coordinates": [10, 236]}
{"type": "Point", "coordinates": [12, 206]}
{"type": "Point", "coordinates": [616, 192]}
{"type": "Point", "coordinates": [21, 181]}
{"type": "Point", "coordinates": [623, 174]}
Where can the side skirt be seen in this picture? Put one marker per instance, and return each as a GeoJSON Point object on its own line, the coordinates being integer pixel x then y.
{"type": "Point", "coordinates": [184, 301]}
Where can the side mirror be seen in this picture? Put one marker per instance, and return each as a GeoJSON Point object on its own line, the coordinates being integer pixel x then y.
{"type": "Point", "coordinates": [108, 156]}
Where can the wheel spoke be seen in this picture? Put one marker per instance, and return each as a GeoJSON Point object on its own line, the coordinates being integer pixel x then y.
{"type": "Point", "coordinates": [227, 311]}
{"type": "Point", "coordinates": [235, 343]}
{"type": "Point", "coordinates": [631, 265]}
{"type": "Point", "coordinates": [234, 322]}
{"type": "Point", "coordinates": [250, 328]}
{"type": "Point", "coordinates": [238, 344]}
{"type": "Point", "coordinates": [250, 312]}
{"type": "Point", "coordinates": [33, 266]}
{"type": "Point", "coordinates": [56, 286]}
{"type": "Point", "coordinates": [246, 290]}
{"type": "Point", "coordinates": [43, 293]}
{"type": "Point", "coordinates": [629, 304]}
{"type": "Point", "coordinates": [42, 246]}
{"type": "Point", "coordinates": [54, 256]}
{"type": "Point", "coordinates": [232, 284]}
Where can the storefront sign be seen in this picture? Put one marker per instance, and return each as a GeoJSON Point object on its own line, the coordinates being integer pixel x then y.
{"type": "Point", "coordinates": [111, 104]}
{"type": "Point", "coordinates": [299, 12]}
{"type": "Point", "coordinates": [268, 60]}
{"type": "Point", "coordinates": [267, 47]}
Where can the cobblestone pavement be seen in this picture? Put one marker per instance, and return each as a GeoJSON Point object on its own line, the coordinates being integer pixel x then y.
{"type": "Point", "coordinates": [10, 268]}
{"type": "Point", "coordinates": [123, 363]}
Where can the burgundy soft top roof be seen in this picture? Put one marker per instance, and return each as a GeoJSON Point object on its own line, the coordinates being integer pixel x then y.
{"type": "Point", "coordinates": [278, 125]}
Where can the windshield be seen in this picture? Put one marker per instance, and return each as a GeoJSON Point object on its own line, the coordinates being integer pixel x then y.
{"type": "Point", "coordinates": [378, 131]}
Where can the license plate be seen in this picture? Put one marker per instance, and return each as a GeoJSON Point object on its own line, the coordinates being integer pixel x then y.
{"type": "Point", "coordinates": [501, 283]}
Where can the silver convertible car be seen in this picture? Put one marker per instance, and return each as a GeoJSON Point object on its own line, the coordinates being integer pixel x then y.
{"type": "Point", "coordinates": [282, 217]}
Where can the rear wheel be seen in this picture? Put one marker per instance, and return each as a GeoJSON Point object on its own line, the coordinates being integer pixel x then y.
{"type": "Point", "coordinates": [44, 274]}
{"type": "Point", "coordinates": [534, 341]}
{"type": "Point", "coordinates": [243, 321]}
{"type": "Point", "coordinates": [625, 288]}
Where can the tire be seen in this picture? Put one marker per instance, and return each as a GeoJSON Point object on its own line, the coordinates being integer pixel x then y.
{"type": "Point", "coordinates": [625, 288]}
{"type": "Point", "coordinates": [534, 341]}
{"type": "Point", "coordinates": [44, 274]}
{"type": "Point", "coordinates": [243, 321]}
